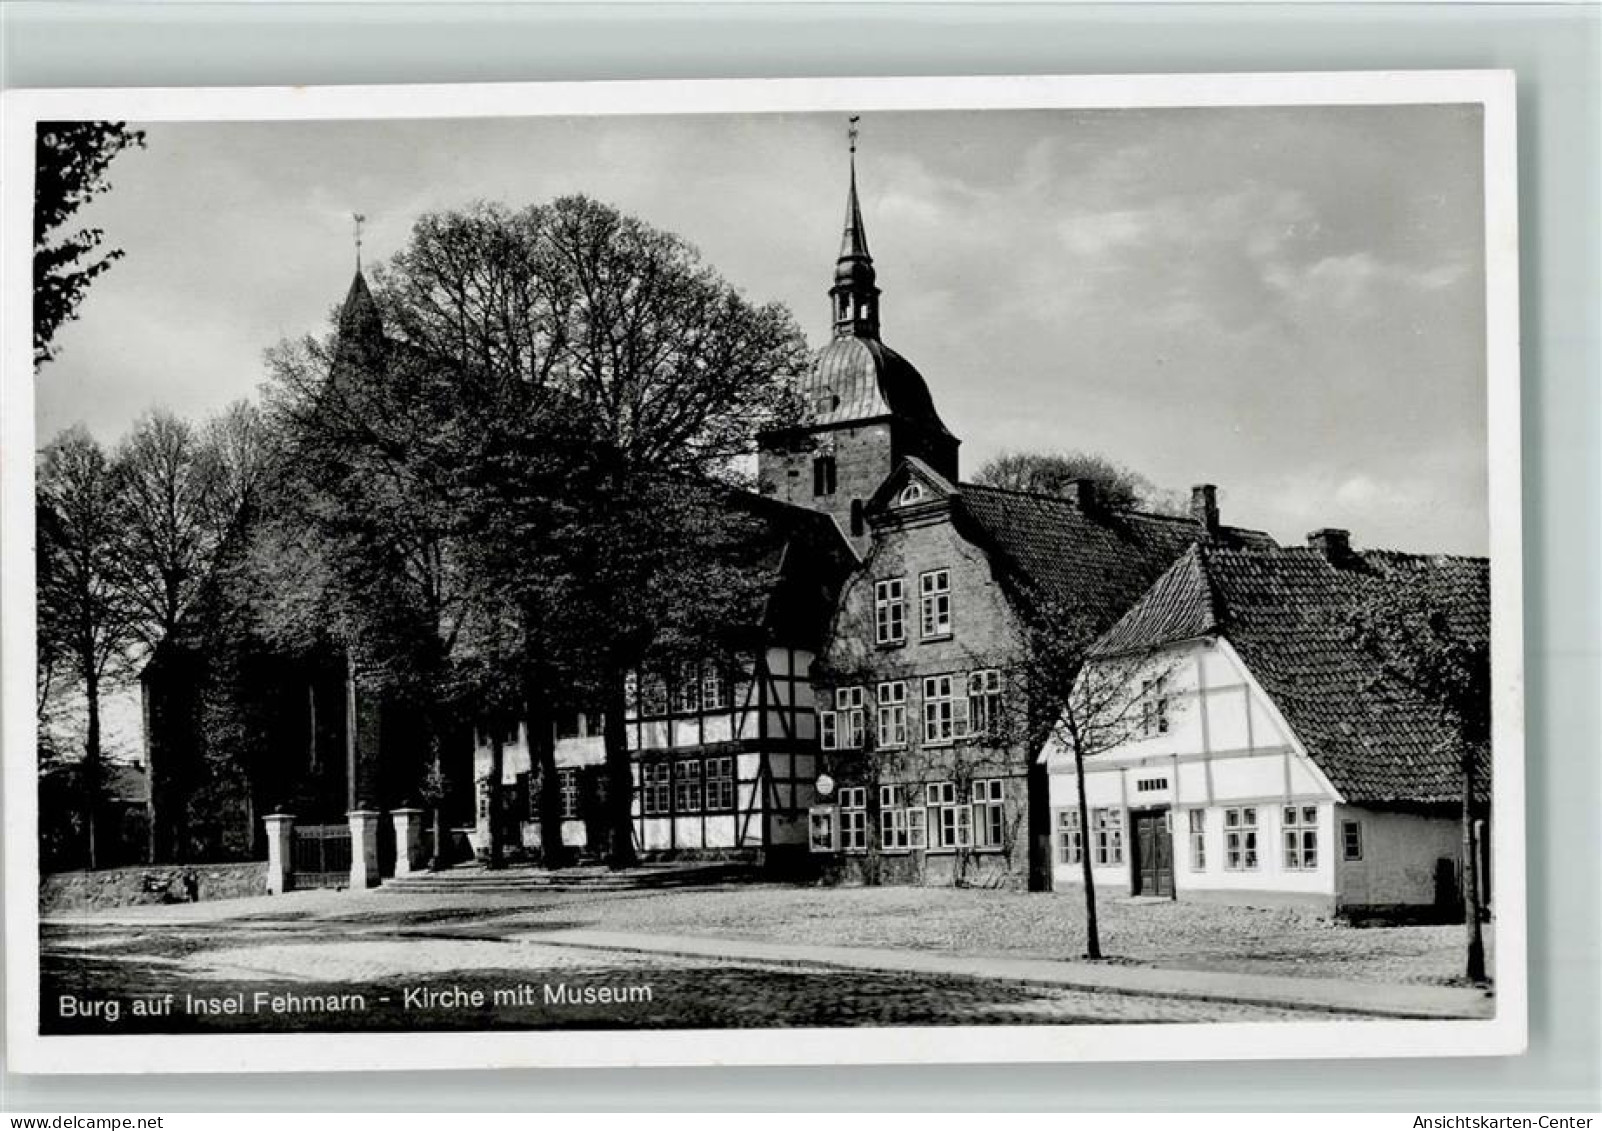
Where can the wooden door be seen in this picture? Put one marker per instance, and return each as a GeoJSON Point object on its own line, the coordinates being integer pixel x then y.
{"type": "Point", "coordinates": [1154, 853]}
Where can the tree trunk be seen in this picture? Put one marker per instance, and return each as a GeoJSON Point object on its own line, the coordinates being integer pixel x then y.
{"type": "Point", "coordinates": [542, 750]}
{"type": "Point", "coordinates": [1038, 804]}
{"type": "Point", "coordinates": [1471, 879]}
{"type": "Point", "coordinates": [619, 780]}
{"type": "Point", "coordinates": [91, 765]}
{"type": "Point", "coordinates": [496, 771]}
{"type": "Point", "coordinates": [1092, 928]}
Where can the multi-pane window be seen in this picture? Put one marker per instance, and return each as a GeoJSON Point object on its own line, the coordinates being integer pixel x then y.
{"type": "Point", "coordinates": [1153, 708]}
{"type": "Point", "coordinates": [1300, 831]}
{"type": "Point", "coordinates": [1240, 839]}
{"type": "Point", "coordinates": [631, 692]}
{"type": "Point", "coordinates": [687, 785]}
{"type": "Point", "coordinates": [934, 603]}
{"type": "Point", "coordinates": [720, 783]}
{"type": "Point", "coordinates": [1198, 840]}
{"type": "Point", "coordinates": [714, 687]}
{"type": "Point", "coordinates": [984, 702]}
{"type": "Point", "coordinates": [1351, 840]}
{"type": "Point", "coordinates": [948, 821]}
{"type": "Point", "coordinates": [568, 784]}
{"type": "Point", "coordinates": [656, 789]}
{"type": "Point", "coordinates": [989, 814]}
{"type": "Point", "coordinates": [945, 711]}
{"type": "Point", "coordinates": [687, 688]}
{"type": "Point", "coordinates": [854, 819]}
{"type": "Point", "coordinates": [896, 820]}
{"type": "Point", "coordinates": [1108, 827]}
{"type": "Point", "coordinates": [890, 611]}
{"type": "Point", "coordinates": [843, 727]}
{"type": "Point", "coordinates": [1070, 837]}
{"type": "Point", "coordinates": [892, 707]}
{"type": "Point", "coordinates": [653, 694]}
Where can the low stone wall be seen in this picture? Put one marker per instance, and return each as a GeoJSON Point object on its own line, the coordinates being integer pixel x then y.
{"type": "Point", "coordinates": [126, 887]}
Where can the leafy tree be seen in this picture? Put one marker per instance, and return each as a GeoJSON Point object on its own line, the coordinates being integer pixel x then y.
{"type": "Point", "coordinates": [1041, 473]}
{"type": "Point", "coordinates": [85, 617]}
{"type": "Point", "coordinates": [1410, 629]}
{"type": "Point", "coordinates": [606, 384]}
{"type": "Point", "coordinates": [70, 167]}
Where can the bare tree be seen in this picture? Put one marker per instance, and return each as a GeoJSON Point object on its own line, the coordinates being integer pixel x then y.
{"type": "Point", "coordinates": [84, 613]}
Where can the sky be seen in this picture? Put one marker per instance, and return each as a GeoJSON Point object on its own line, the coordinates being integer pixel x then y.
{"type": "Point", "coordinates": [1285, 302]}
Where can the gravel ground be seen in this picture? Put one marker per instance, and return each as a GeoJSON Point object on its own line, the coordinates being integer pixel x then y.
{"type": "Point", "coordinates": [1185, 935]}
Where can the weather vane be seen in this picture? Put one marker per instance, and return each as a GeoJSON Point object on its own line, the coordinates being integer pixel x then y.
{"type": "Point", "coordinates": [360, 220]}
{"type": "Point", "coordinates": [851, 132]}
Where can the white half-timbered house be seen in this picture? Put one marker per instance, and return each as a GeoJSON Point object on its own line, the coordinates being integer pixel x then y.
{"type": "Point", "coordinates": [1268, 758]}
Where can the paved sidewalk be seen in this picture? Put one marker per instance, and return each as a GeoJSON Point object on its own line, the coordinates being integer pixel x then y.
{"type": "Point", "coordinates": [1396, 1001]}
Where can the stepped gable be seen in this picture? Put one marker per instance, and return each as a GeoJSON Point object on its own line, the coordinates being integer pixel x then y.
{"type": "Point", "coordinates": [1288, 613]}
{"type": "Point", "coordinates": [1079, 555]}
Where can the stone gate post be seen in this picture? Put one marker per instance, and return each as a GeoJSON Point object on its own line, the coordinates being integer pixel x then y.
{"type": "Point", "coordinates": [408, 840]}
{"type": "Point", "coordinates": [363, 849]}
{"type": "Point", "coordinates": [280, 854]}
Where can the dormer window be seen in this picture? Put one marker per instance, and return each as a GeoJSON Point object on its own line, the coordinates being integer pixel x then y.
{"type": "Point", "coordinates": [911, 493]}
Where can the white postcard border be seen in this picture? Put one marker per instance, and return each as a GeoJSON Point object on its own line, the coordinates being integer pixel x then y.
{"type": "Point", "coordinates": [28, 1051]}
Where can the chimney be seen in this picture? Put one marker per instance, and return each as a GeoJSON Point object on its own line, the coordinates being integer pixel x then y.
{"type": "Point", "coordinates": [1204, 508]}
{"type": "Point", "coordinates": [1082, 492]}
{"type": "Point", "coordinates": [1335, 545]}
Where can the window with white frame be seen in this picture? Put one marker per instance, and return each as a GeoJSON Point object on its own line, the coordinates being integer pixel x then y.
{"type": "Point", "coordinates": [631, 692]}
{"type": "Point", "coordinates": [687, 688]}
{"type": "Point", "coordinates": [714, 687]}
{"type": "Point", "coordinates": [896, 820]}
{"type": "Point", "coordinates": [568, 783]}
{"type": "Point", "coordinates": [1070, 837]}
{"type": "Point", "coordinates": [984, 702]}
{"type": "Point", "coordinates": [891, 700]}
{"type": "Point", "coordinates": [1108, 827]}
{"type": "Point", "coordinates": [656, 789]}
{"type": "Point", "coordinates": [720, 783]}
{"type": "Point", "coordinates": [934, 604]}
{"type": "Point", "coordinates": [989, 814]}
{"type": "Point", "coordinates": [842, 728]}
{"type": "Point", "coordinates": [911, 493]}
{"type": "Point", "coordinates": [687, 785]}
{"type": "Point", "coordinates": [1240, 839]}
{"type": "Point", "coordinates": [1198, 840]}
{"type": "Point", "coordinates": [1299, 829]}
{"type": "Point", "coordinates": [945, 709]}
{"type": "Point", "coordinates": [1153, 707]}
{"type": "Point", "coordinates": [483, 801]}
{"type": "Point", "coordinates": [1351, 840]}
{"type": "Point", "coordinates": [854, 819]}
{"type": "Point", "coordinates": [653, 694]}
{"type": "Point", "coordinates": [822, 830]}
{"type": "Point", "coordinates": [890, 611]}
{"type": "Point", "coordinates": [948, 820]}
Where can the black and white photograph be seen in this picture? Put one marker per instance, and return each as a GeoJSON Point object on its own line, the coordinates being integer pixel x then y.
{"type": "Point", "coordinates": [703, 572]}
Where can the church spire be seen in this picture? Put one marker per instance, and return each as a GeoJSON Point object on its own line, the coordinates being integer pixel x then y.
{"type": "Point", "coordinates": [854, 297]}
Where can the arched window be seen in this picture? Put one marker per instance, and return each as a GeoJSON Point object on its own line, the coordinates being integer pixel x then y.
{"type": "Point", "coordinates": [911, 493]}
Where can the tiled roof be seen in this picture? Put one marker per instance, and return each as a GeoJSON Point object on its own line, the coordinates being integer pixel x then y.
{"type": "Point", "coordinates": [1288, 613]}
{"type": "Point", "coordinates": [1093, 562]}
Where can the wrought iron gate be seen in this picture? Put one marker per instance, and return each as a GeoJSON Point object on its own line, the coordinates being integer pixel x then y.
{"type": "Point", "coordinates": [322, 856]}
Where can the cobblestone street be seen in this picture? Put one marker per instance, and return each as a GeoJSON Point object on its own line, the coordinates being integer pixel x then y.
{"type": "Point", "coordinates": [416, 974]}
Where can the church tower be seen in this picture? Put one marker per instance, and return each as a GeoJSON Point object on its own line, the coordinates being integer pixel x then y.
{"type": "Point", "coordinates": [864, 407]}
